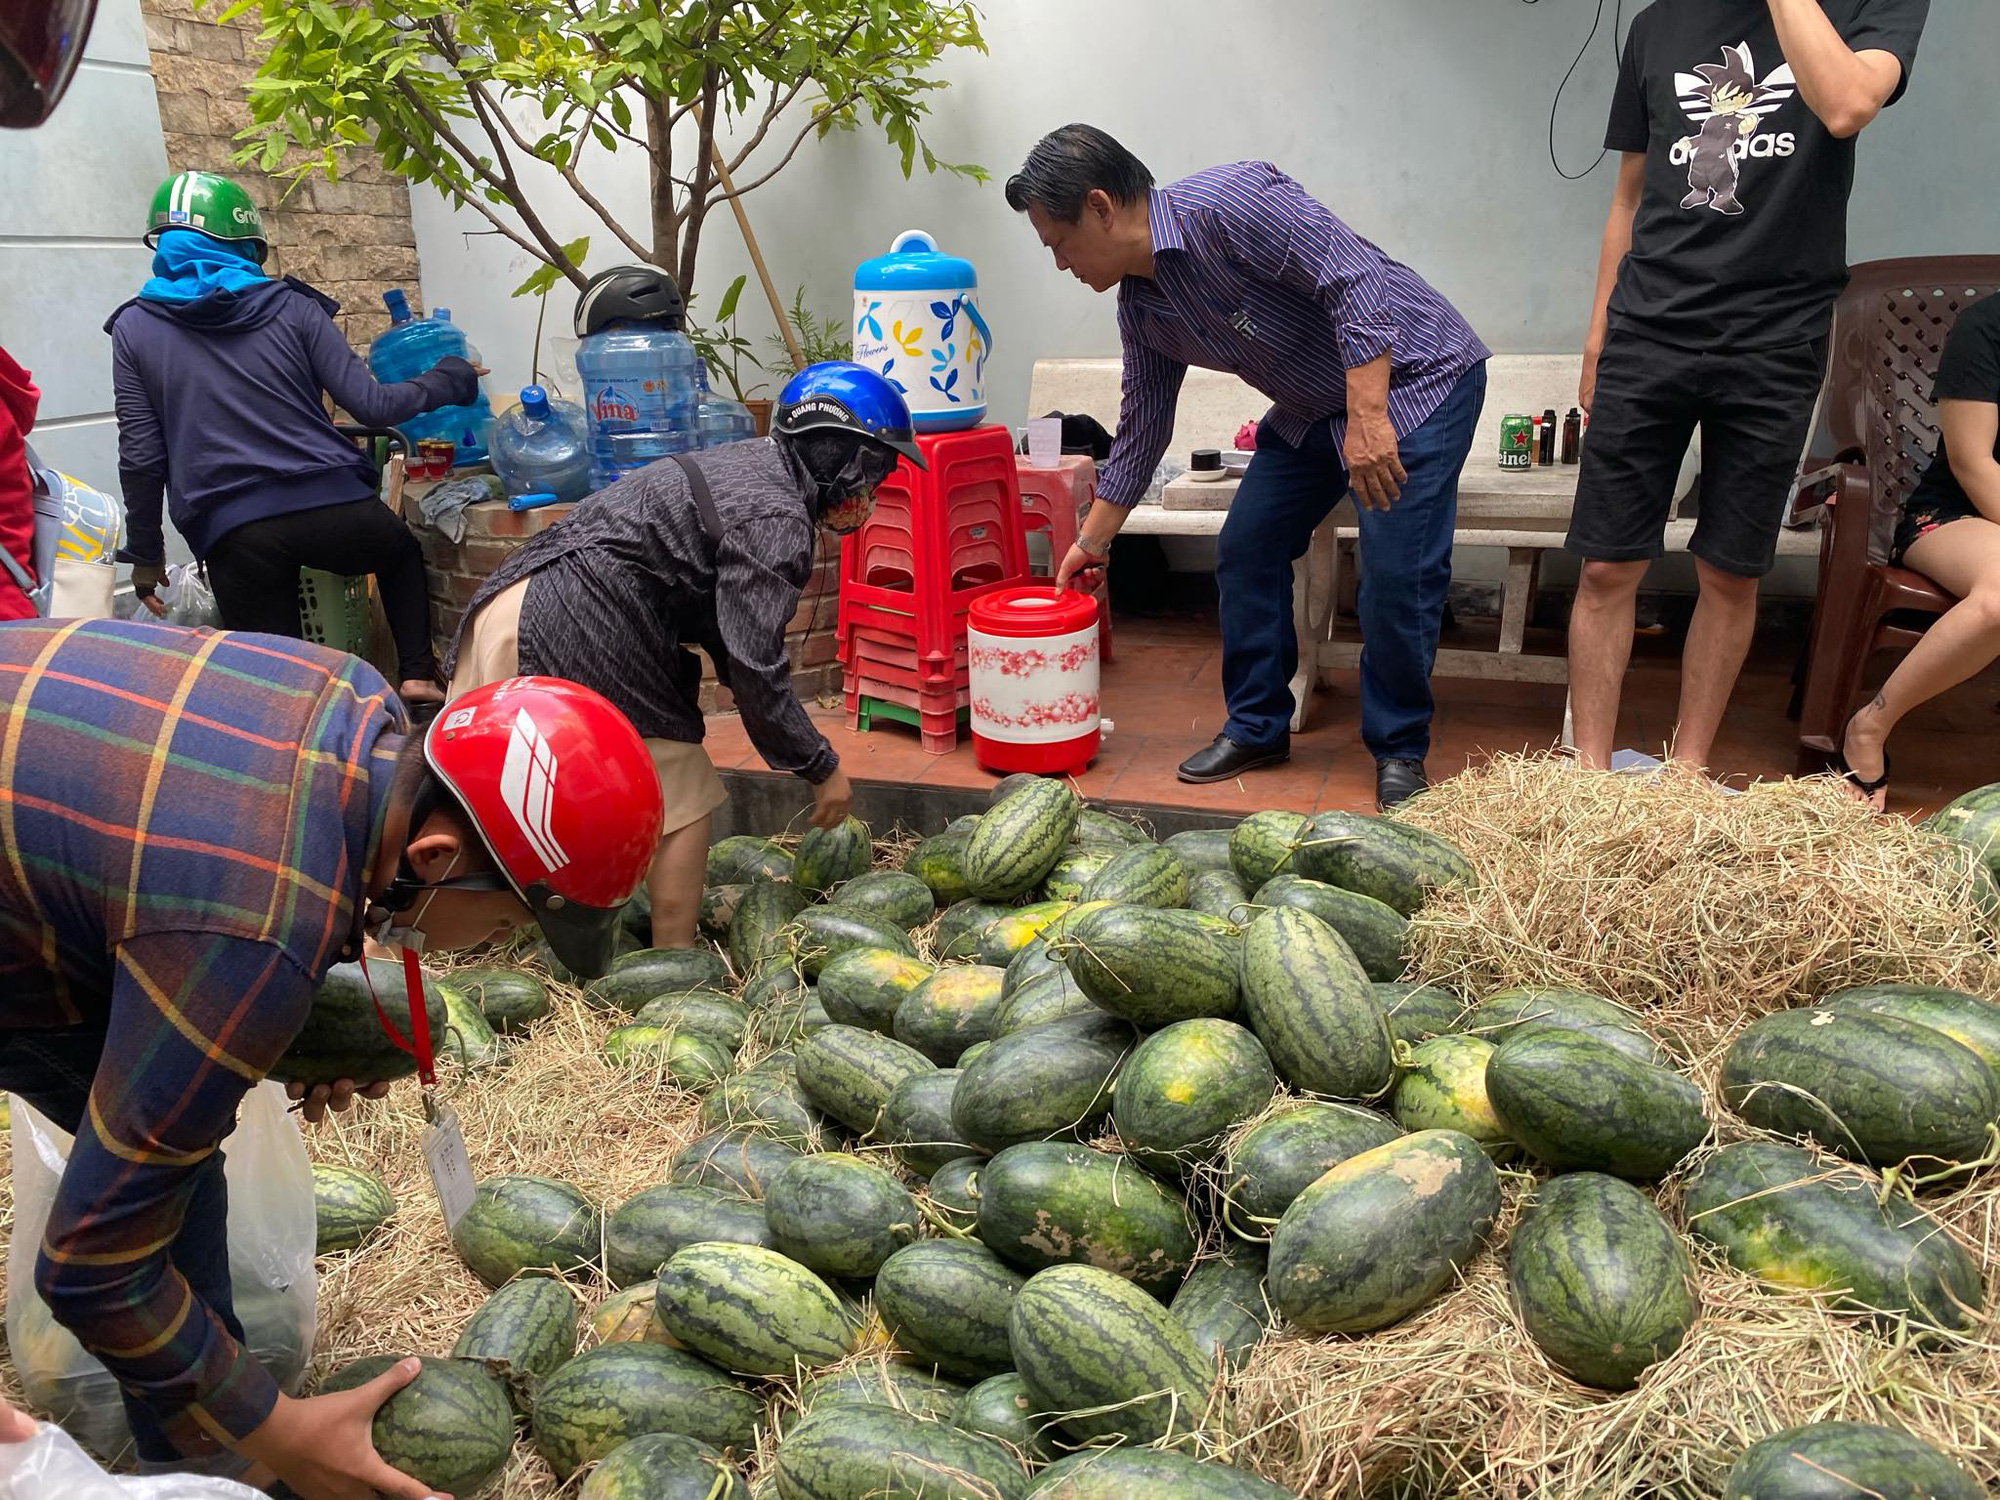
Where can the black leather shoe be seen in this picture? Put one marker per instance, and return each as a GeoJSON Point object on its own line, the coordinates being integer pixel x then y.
{"type": "Point", "coordinates": [1398, 781]}
{"type": "Point", "coordinates": [1225, 758]}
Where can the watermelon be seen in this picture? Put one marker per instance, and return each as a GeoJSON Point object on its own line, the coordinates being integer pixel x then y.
{"type": "Point", "coordinates": [1978, 829]}
{"type": "Point", "coordinates": [609, 1396]}
{"type": "Point", "coordinates": [1271, 1163]}
{"type": "Point", "coordinates": [452, 1428]}
{"type": "Point", "coordinates": [635, 920]}
{"type": "Point", "coordinates": [1009, 933]}
{"type": "Point", "coordinates": [1001, 1408]}
{"type": "Point", "coordinates": [849, 1073]}
{"type": "Point", "coordinates": [820, 934]}
{"type": "Point", "coordinates": [838, 1215]}
{"type": "Point", "coordinates": [1602, 1282]}
{"type": "Point", "coordinates": [761, 933]}
{"type": "Point", "coordinates": [1007, 785]}
{"type": "Point", "coordinates": [717, 912]}
{"type": "Point", "coordinates": [881, 1382]}
{"type": "Point", "coordinates": [939, 862]}
{"type": "Point", "coordinates": [1417, 1012]}
{"type": "Point", "coordinates": [1966, 1019]}
{"type": "Point", "coordinates": [1148, 1474]}
{"type": "Point", "coordinates": [1187, 1086]}
{"type": "Point", "coordinates": [767, 1100]}
{"type": "Point", "coordinates": [343, 1037]}
{"type": "Point", "coordinates": [1144, 875]}
{"type": "Point", "coordinates": [753, 1310]}
{"type": "Point", "coordinates": [1509, 1013]}
{"type": "Point", "coordinates": [949, 1010]}
{"type": "Point", "coordinates": [793, 1020]}
{"type": "Point", "coordinates": [1069, 875]}
{"type": "Point", "coordinates": [682, 1059]}
{"type": "Point", "coordinates": [349, 1204]}
{"type": "Point", "coordinates": [1033, 961]}
{"type": "Point", "coordinates": [1202, 849]}
{"type": "Point", "coordinates": [962, 925]}
{"type": "Point", "coordinates": [1313, 1007]}
{"type": "Point", "coordinates": [664, 1466]}
{"type": "Point", "coordinates": [655, 1223]}
{"type": "Point", "coordinates": [1443, 1087]}
{"type": "Point", "coordinates": [945, 1302]}
{"type": "Point", "coordinates": [1222, 1305]}
{"type": "Point", "coordinates": [1105, 1359]}
{"type": "Point", "coordinates": [1872, 1087]}
{"type": "Point", "coordinates": [1038, 1002]}
{"type": "Point", "coordinates": [1847, 1461]}
{"type": "Point", "coordinates": [1578, 1105]}
{"type": "Point", "coordinates": [1154, 967]}
{"type": "Point", "coordinates": [1262, 844]}
{"type": "Point", "coordinates": [508, 998]}
{"type": "Point", "coordinates": [864, 986]}
{"type": "Point", "coordinates": [519, 1223]}
{"type": "Point", "coordinates": [892, 895]}
{"type": "Point", "coordinates": [1048, 1203]}
{"type": "Point", "coordinates": [1796, 1221]}
{"type": "Point", "coordinates": [1390, 861]}
{"type": "Point", "coordinates": [953, 1194]}
{"type": "Point", "coordinates": [879, 1453]}
{"type": "Point", "coordinates": [724, 1021]}
{"type": "Point", "coordinates": [1097, 829]}
{"type": "Point", "coordinates": [735, 1161]}
{"type": "Point", "coordinates": [743, 860]}
{"type": "Point", "coordinates": [1048, 1080]}
{"type": "Point", "coordinates": [527, 1328]}
{"type": "Point", "coordinates": [828, 856]}
{"type": "Point", "coordinates": [917, 1121]}
{"type": "Point", "coordinates": [1218, 893]}
{"type": "Point", "coordinates": [965, 823]}
{"type": "Point", "coordinates": [771, 985]}
{"type": "Point", "coordinates": [1383, 1233]}
{"type": "Point", "coordinates": [627, 1316]}
{"type": "Point", "coordinates": [1376, 932]}
{"type": "Point", "coordinates": [638, 977]}
{"type": "Point", "coordinates": [1019, 839]}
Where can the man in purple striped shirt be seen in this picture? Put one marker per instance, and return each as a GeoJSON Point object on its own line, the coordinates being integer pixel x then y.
{"type": "Point", "coordinates": [1377, 384]}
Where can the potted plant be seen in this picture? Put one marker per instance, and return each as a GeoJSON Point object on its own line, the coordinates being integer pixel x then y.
{"type": "Point", "coordinates": [723, 350]}
{"type": "Point", "coordinates": [819, 339]}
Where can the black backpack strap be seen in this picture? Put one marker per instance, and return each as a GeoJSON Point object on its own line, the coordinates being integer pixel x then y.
{"type": "Point", "coordinates": [704, 499]}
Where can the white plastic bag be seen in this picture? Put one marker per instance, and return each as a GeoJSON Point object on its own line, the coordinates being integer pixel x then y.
{"type": "Point", "coordinates": [271, 1237]}
{"type": "Point", "coordinates": [50, 1465]}
{"type": "Point", "coordinates": [189, 599]}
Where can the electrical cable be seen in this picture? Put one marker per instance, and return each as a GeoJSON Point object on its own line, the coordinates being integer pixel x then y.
{"type": "Point", "coordinates": [1617, 25]}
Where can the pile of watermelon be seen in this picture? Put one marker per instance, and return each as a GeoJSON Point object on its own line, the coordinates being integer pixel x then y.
{"type": "Point", "coordinates": [1011, 1155]}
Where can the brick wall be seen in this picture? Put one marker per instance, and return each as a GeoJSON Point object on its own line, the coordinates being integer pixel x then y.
{"type": "Point", "coordinates": [351, 239]}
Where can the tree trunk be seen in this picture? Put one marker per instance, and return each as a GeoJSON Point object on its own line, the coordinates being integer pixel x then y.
{"type": "Point", "coordinates": [704, 179]}
{"type": "Point", "coordinates": [666, 228]}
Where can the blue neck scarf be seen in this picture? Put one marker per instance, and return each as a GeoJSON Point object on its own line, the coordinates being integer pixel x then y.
{"type": "Point", "coordinates": [189, 265]}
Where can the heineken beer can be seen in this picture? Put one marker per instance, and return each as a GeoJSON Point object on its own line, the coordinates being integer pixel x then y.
{"type": "Point", "coordinates": [1517, 441]}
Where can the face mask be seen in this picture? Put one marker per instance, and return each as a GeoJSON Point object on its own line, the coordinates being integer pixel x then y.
{"type": "Point", "coordinates": [850, 515]}
{"type": "Point", "coordinates": [410, 935]}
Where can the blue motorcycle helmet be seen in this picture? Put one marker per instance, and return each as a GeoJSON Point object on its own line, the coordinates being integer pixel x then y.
{"type": "Point", "coordinates": [846, 427]}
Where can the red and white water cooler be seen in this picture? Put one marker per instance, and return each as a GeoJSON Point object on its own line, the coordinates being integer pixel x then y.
{"type": "Point", "coordinates": [1032, 660]}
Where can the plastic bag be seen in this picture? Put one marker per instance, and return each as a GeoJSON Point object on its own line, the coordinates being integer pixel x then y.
{"type": "Point", "coordinates": [271, 1238]}
{"type": "Point", "coordinates": [50, 1464]}
{"type": "Point", "coordinates": [189, 599]}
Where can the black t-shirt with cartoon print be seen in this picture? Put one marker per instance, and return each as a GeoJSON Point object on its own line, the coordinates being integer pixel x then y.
{"type": "Point", "coordinates": [1741, 235]}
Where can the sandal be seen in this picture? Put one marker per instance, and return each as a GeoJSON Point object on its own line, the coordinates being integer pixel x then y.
{"type": "Point", "coordinates": [1868, 789]}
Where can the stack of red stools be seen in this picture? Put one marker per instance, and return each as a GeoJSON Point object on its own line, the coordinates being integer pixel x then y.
{"type": "Point", "coordinates": [1054, 500]}
{"type": "Point", "coordinates": [936, 541]}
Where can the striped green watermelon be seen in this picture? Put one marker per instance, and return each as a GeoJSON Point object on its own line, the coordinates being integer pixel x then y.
{"type": "Point", "coordinates": [1578, 1105]}
{"type": "Point", "coordinates": [743, 859]}
{"type": "Point", "coordinates": [1839, 1460]}
{"type": "Point", "coordinates": [962, 925]}
{"type": "Point", "coordinates": [950, 1010]}
{"type": "Point", "coordinates": [1374, 931]}
{"type": "Point", "coordinates": [349, 1204]}
{"type": "Point", "coordinates": [508, 998]}
{"type": "Point", "coordinates": [849, 1073]}
{"type": "Point", "coordinates": [1069, 875]}
{"type": "Point", "coordinates": [945, 1302]}
{"type": "Point", "coordinates": [878, 1453]}
{"type": "Point", "coordinates": [1039, 1002]}
{"type": "Point", "coordinates": [1001, 1408]}
{"type": "Point", "coordinates": [1144, 875]}
{"type": "Point", "coordinates": [1187, 1086]}
{"type": "Point", "coordinates": [681, 1059]}
{"type": "Point", "coordinates": [1019, 839]}
{"type": "Point", "coordinates": [1008, 934]}
{"type": "Point", "coordinates": [1510, 1013]}
{"type": "Point", "coordinates": [1218, 893]}
{"type": "Point", "coordinates": [1105, 1359]}
{"type": "Point", "coordinates": [1048, 1080]}
{"type": "Point", "coordinates": [656, 1223]}
{"type": "Point", "coordinates": [1313, 1007]}
{"type": "Point", "coordinates": [1383, 1233]}
{"type": "Point", "coordinates": [917, 1121]}
{"type": "Point", "coordinates": [1796, 1221]}
{"type": "Point", "coordinates": [865, 986]}
{"type": "Point", "coordinates": [761, 932]}
{"type": "Point", "coordinates": [1443, 1087]}
{"type": "Point", "coordinates": [664, 1466]}
{"type": "Point", "coordinates": [527, 1329]}
{"type": "Point", "coordinates": [1222, 1304]}
{"type": "Point", "coordinates": [1417, 1012]}
{"type": "Point", "coordinates": [820, 934]}
{"type": "Point", "coordinates": [1602, 1282]}
{"type": "Point", "coordinates": [1154, 967]}
{"type": "Point", "coordinates": [1262, 845]}
{"type": "Point", "coordinates": [965, 823]}
{"type": "Point", "coordinates": [723, 1020]}
{"type": "Point", "coordinates": [608, 1396]}
{"type": "Point", "coordinates": [1049, 1203]}
{"type": "Point", "coordinates": [752, 1310]}
{"type": "Point", "coordinates": [638, 977]}
{"type": "Point", "coordinates": [1148, 1474]}
{"type": "Point", "coordinates": [939, 862]}
{"type": "Point", "coordinates": [1007, 785]}
{"type": "Point", "coordinates": [1378, 857]}
{"type": "Point", "coordinates": [1977, 828]}
{"type": "Point", "coordinates": [452, 1428]}
{"type": "Point", "coordinates": [1271, 1163]}
{"type": "Point", "coordinates": [839, 1215]}
{"type": "Point", "coordinates": [733, 1160]}
{"type": "Point", "coordinates": [768, 1100]}
{"type": "Point", "coordinates": [343, 1037]}
{"type": "Point", "coordinates": [1966, 1019]}
{"type": "Point", "coordinates": [635, 921]}
{"type": "Point", "coordinates": [953, 1195]}
{"type": "Point", "coordinates": [1034, 961]}
{"type": "Point", "coordinates": [717, 912]}
{"type": "Point", "coordinates": [521, 1223]}
{"type": "Point", "coordinates": [793, 1020]}
{"type": "Point", "coordinates": [1097, 829]}
{"type": "Point", "coordinates": [1202, 848]}
{"type": "Point", "coordinates": [880, 1381]}
{"type": "Point", "coordinates": [892, 895]}
{"type": "Point", "coordinates": [1871, 1087]}
{"type": "Point", "coordinates": [827, 856]}
{"type": "Point", "coordinates": [772, 984]}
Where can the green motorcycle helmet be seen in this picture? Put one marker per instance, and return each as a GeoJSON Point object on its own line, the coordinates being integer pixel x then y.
{"type": "Point", "coordinates": [214, 205]}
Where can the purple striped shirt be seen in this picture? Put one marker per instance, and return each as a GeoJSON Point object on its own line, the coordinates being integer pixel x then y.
{"type": "Point", "coordinates": [1253, 275]}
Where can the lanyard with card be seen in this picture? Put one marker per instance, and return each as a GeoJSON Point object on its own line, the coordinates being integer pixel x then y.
{"type": "Point", "coordinates": [442, 1141]}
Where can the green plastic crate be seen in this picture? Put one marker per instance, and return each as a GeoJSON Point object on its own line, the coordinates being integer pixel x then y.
{"type": "Point", "coordinates": [334, 610]}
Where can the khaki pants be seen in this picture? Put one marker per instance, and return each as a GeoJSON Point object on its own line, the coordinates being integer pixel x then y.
{"type": "Point", "coordinates": [490, 651]}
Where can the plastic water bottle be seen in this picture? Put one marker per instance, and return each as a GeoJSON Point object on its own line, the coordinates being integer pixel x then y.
{"type": "Point", "coordinates": [412, 345]}
{"type": "Point", "coordinates": [718, 419]}
{"type": "Point", "coordinates": [543, 445]}
{"type": "Point", "coordinates": [640, 394]}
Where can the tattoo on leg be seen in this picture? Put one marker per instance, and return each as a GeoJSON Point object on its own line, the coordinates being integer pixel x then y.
{"type": "Point", "coordinates": [1877, 704]}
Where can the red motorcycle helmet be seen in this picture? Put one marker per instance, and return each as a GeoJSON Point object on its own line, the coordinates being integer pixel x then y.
{"type": "Point", "coordinates": [565, 797]}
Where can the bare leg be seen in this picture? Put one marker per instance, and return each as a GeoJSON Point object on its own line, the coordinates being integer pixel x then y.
{"type": "Point", "coordinates": [1600, 648]}
{"type": "Point", "coordinates": [674, 884]}
{"type": "Point", "coordinates": [1725, 618]}
{"type": "Point", "coordinates": [1963, 557]}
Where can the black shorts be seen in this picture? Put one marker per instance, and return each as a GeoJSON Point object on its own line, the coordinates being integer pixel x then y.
{"type": "Point", "coordinates": [1754, 408]}
{"type": "Point", "coordinates": [1924, 512]}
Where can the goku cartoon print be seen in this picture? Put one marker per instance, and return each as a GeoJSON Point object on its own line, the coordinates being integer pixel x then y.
{"type": "Point", "coordinates": [1728, 101]}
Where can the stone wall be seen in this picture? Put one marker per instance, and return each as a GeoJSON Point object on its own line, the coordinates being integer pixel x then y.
{"type": "Point", "coordinates": [351, 239]}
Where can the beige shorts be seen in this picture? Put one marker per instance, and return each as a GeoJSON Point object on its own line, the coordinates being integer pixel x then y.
{"type": "Point", "coordinates": [490, 651]}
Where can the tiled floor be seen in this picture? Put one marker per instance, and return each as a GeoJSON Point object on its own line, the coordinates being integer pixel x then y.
{"type": "Point", "coordinates": [1164, 696]}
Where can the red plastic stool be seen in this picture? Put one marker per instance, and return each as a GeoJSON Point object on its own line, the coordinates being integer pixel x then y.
{"type": "Point", "coordinates": [1054, 500]}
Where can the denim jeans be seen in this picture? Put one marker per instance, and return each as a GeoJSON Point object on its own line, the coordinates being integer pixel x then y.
{"type": "Point", "coordinates": [53, 1070]}
{"type": "Point", "coordinates": [1405, 575]}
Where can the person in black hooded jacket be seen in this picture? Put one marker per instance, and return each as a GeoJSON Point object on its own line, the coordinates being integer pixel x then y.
{"type": "Point", "coordinates": [217, 371]}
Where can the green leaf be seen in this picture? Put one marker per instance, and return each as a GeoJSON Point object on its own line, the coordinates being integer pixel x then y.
{"type": "Point", "coordinates": [545, 277]}
{"type": "Point", "coordinates": [726, 309]}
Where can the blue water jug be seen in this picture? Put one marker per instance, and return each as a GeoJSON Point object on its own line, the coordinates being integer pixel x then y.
{"type": "Point", "coordinates": [718, 419]}
{"type": "Point", "coordinates": [543, 445]}
{"type": "Point", "coordinates": [412, 345]}
{"type": "Point", "coordinates": [641, 395]}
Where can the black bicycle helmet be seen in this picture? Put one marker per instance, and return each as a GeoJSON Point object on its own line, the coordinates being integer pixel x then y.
{"type": "Point", "coordinates": [629, 294]}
